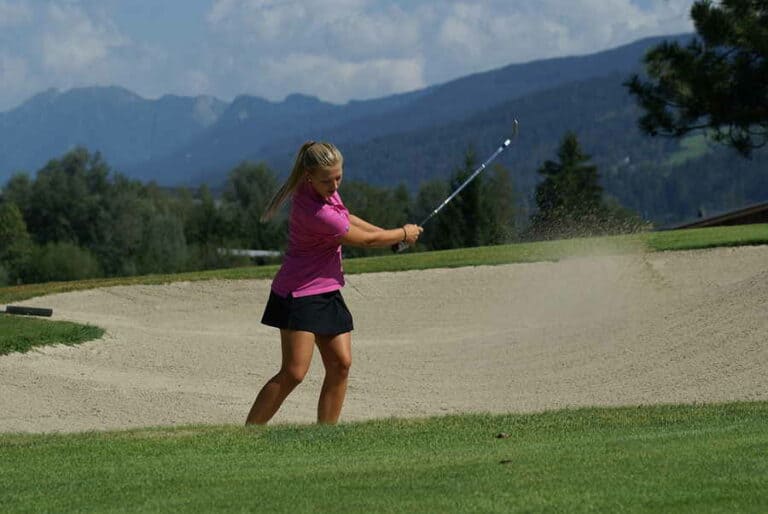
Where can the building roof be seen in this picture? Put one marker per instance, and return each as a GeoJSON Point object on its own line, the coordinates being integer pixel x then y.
{"type": "Point", "coordinates": [755, 213]}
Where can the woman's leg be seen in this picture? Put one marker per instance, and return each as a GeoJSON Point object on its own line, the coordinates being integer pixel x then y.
{"type": "Point", "coordinates": [337, 358]}
{"type": "Point", "coordinates": [297, 355]}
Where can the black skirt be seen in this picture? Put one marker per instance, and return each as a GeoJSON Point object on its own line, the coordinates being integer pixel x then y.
{"type": "Point", "coordinates": [324, 313]}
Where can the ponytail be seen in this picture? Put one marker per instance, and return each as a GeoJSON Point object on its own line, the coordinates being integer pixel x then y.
{"type": "Point", "coordinates": [311, 156]}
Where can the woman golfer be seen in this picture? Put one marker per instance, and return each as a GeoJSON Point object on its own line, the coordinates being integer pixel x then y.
{"type": "Point", "coordinates": [305, 302]}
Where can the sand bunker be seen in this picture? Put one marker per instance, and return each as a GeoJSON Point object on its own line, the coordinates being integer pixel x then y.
{"type": "Point", "coordinates": [620, 330]}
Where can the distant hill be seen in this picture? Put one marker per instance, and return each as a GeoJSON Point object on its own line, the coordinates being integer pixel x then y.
{"type": "Point", "coordinates": [664, 179]}
{"type": "Point", "coordinates": [254, 129]}
{"type": "Point", "coordinates": [181, 140]}
{"type": "Point", "coordinates": [407, 138]}
{"type": "Point", "coordinates": [121, 125]}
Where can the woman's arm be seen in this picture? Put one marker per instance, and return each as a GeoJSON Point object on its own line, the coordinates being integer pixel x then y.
{"type": "Point", "coordinates": [356, 236]}
{"type": "Point", "coordinates": [362, 224]}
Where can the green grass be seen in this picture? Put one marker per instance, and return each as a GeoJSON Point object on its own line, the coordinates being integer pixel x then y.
{"type": "Point", "coordinates": [696, 459]}
{"type": "Point", "coordinates": [19, 334]}
{"type": "Point", "coordinates": [711, 237]}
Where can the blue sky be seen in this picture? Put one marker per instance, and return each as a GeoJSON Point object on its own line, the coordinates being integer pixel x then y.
{"type": "Point", "coordinates": [337, 50]}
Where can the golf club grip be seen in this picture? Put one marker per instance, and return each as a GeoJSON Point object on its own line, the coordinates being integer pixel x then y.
{"type": "Point", "coordinates": [399, 247]}
{"type": "Point", "coordinates": [28, 311]}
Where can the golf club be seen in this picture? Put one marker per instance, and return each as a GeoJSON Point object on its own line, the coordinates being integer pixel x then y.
{"type": "Point", "coordinates": [399, 247]}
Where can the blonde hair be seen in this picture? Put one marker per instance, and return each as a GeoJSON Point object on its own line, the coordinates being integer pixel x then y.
{"type": "Point", "coordinates": [312, 156]}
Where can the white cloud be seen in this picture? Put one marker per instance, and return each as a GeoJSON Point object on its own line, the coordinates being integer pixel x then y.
{"type": "Point", "coordinates": [18, 82]}
{"type": "Point", "coordinates": [272, 17]}
{"type": "Point", "coordinates": [14, 13]}
{"type": "Point", "coordinates": [335, 49]}
{"type": "Point", "coordinates": [347, 28]}
{"type": "Point", "coordinates": [482, 35]}
{"type": "Point", "coordinates": [75, 42]}
{"type": "Point", "coordinates": [337, 80]}
{"type": "Point", "coordinates": [392, 33]}
{"type": "Point", "coordinates": [13, 74]}
{"type": "Point", "coordinates": [428, 41]}
{"type": "Point", "coordinates": [198, 82]}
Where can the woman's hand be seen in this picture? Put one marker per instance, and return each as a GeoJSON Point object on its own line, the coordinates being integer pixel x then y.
{"type": "Point", "coordinates": [412, 233]}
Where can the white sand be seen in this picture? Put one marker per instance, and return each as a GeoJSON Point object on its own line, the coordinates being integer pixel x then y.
{"type": "Point", "coordinates": [672, 327]}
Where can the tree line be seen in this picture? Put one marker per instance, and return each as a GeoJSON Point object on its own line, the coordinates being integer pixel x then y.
{"type": "Point", "coordinates": [78, 219]}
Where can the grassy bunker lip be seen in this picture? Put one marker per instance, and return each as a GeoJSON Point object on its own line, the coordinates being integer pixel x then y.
{"type": "Point", "coordinates": [21, 334]}
{"type": "Point", "coordinates": [22, 337]}
{"type": "Point", "coordinates": [673, 240]}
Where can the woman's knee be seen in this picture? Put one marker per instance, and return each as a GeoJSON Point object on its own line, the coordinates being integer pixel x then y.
{"type": "Point", "coordinates": [339, 366]}
{"type": "Point", "coordinates": [293, 375]}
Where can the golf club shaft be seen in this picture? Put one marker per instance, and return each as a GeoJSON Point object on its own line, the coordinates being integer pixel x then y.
{"type": "Point", "coordinates": [403, 245]}
{"type": "Point", "coordinates": [466, 182]}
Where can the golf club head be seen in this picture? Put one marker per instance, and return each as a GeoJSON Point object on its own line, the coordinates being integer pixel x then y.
{"type": "Point", "coordinates": [515, 130]}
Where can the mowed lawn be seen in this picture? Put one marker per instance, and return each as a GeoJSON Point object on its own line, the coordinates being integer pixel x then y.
{"type": "Point", "coordinates": [695, 459]}
{"type": "Point", "coordinates": [698, 458]}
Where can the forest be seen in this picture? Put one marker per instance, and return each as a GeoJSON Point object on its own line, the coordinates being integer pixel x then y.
{"type": "Point", "coordinates": [76, 218]}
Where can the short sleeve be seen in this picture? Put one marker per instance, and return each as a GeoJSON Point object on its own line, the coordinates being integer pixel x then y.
{"type": "Point", "coordinates": [331, 221]}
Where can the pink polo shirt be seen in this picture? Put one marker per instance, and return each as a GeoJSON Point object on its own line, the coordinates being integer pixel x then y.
{"type": "Point", "coordinates": [312, 263]}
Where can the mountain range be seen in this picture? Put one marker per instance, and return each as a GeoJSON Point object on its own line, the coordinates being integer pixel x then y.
{"type": "Point", "coordinates": [406, 138]}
